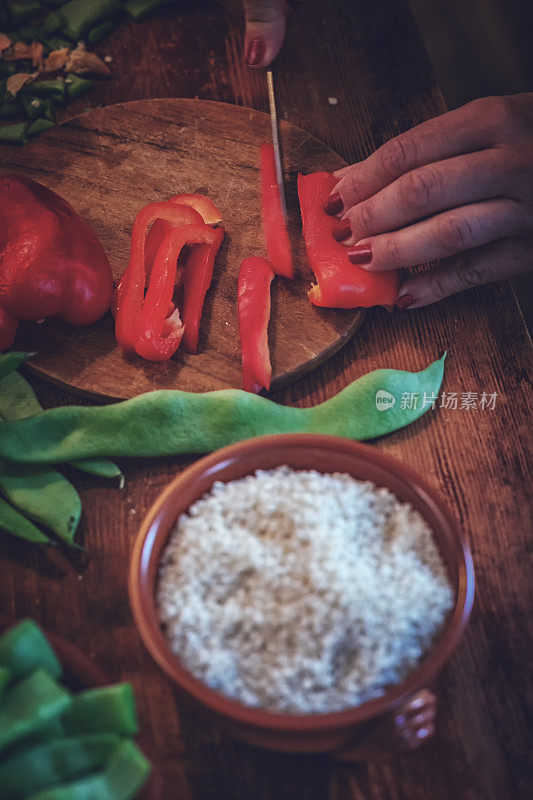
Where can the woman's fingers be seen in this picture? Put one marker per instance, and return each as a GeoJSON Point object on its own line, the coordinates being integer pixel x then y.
{"type": "Point", "coordinates": [265, 30]}
{"type": "Point", "coordinates": [443, 235]}
{"type": "Point", "coordinates": [492, 262]}
{"type": "Point", "coordinates": [472, 127]}
{"type": "Point", "coordinates": [430, 189]}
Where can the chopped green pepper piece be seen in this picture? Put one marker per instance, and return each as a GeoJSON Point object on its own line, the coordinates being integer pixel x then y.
{"type": "Point", "coordinates": [46, 764]}
{"type": "Point", "coordinates": [53, 88]}
{"type": "Point", "coordinates": [40, 125]}
{"type": "Point", "coordinates": [96, 35]}
{"type": "Point", "coordinates": [30, 704]}
{"type": "Point", "coordinates": [14, 134]}
{"type": "Point", "coordinates": [38, 107]}
{"type": "Point", "coordinates": [76, 86]}
{"type": "Point", "coordinates": [110, 709]}
{"type": "Point", "coordinates": [140, 9]}
{"type": "Point", "coordinates": [24, 648]}
{"type": "Point", "coordinates": [23, 10]}
{"type": "Point", "coordinates": [122, 778]}
{"type": "Point", "coordinates": [80, 16]}
{"type": "Point", "coordinates": [15, 523]}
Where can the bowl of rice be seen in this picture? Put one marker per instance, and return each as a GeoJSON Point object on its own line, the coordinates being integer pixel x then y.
{"type": "Point", "coordinates": [300, 589]}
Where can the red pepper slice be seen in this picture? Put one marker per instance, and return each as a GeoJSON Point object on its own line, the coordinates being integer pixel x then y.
{"type": "Point", "coordinates": [340, 284]}
{"type": "Point", "coordinates": [158, 335]}
{"type": "Point", "coordinates": [255, 277]}
{"type": "Point", "coordinates": [205, 207]}
{"type": "Point", "coordinates": [197, 276]}
{"type": "Point", "coordinates": [130, 291]}
{"type": "Point", "coordinates": [51, 262]}
{"type": "Point", "coordinates": [277, 238]}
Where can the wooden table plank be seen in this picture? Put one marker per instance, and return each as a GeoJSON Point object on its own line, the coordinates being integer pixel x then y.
{"type": "Point", "coordinates": [369, 56]}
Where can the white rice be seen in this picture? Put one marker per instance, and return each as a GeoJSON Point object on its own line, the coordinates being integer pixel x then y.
{"type": "Point", "coordinates": [300, 592]}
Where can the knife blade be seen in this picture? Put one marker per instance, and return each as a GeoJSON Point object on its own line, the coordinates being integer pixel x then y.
{"type": "Point", "coordinates": [275, 140]}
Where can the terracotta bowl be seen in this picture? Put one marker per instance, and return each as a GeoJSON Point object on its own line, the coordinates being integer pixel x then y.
{"type": "Point", "coordinates": [80, 672]}
{"type": "Point", "coordinates": [371, 729]}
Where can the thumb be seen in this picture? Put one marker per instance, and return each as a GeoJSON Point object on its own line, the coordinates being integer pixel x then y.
{"type": "Point", "coordinates": [265, 29]}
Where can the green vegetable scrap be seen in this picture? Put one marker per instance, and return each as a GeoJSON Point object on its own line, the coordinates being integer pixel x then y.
{"type": "Point", "coordinates": [111, 709]}
{"type": "Point", "coordinates": [79, 16]}
{"type": "Point", "coordinates": [28, 705]}
{"type": "Point", "coordinates": [140, 9]}
{"type": "Point", "coordinates": [76, 86]}
{"type": "Point", "coordinates": [24, 649]}
{"type": "Point", "coordinates": [23, 10]}
{"type": "Point", "coordinates": [37, 107]}
{"type": "Point", "coordinates": [172, 422]}
{"type": "Point", "coordinates": [14, 134]}
{"type": "Point", "coordinates": [48, 764]}
{"type": "Point", "coordinates": [125, 773]}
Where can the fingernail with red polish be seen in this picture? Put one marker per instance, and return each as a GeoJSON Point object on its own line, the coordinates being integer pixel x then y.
{"type": "Point", "coordinates": [360, 254]}
{"type": "Point", "coordinates": [405, 301]}
{"type": "Point", "coordinates": [256, 52]}
{"type": "Point", "coordinates": [341, 229]}
{"type": "Point", "coordinates": [333, 204]}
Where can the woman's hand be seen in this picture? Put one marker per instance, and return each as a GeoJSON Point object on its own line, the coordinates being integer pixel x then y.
{"type": "Point", "coordinates": [458, 187]}
{"type": "Point", "coordinates": [265, 29]}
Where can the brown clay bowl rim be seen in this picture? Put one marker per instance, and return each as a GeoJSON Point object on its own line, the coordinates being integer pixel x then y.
{"type": "Point", "coordinates": [142, 597]}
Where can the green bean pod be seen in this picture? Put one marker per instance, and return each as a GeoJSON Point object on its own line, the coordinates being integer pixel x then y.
{"type": "Point", "coordinates": [168, 422]}
{"type": "Point", "coordinates": [18, 400]}
{"type": "Point", "coordinates": [11, 361]}
{"type": "Point", "coordinates": [43, 495]}
{"type": "Point", "coordinates": [15, 523]}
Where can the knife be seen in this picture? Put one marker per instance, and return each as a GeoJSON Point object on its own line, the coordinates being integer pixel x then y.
{"type": "Point", "coordinates": [275, 140]}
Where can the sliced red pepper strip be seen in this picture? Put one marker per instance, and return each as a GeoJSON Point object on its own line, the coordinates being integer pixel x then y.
{"type": "Point", "coordinates": [340, 284]}
{"type": "Point", "coordinates": [276, 236]}
{"type": "Point", "coordinates": [158, 335]}
{"type": "Point", "coordinates": [130, 291]}
{"type": "Point", "coordinates": [255, 277]}
{"type": "Point", "coordinates": [197, 276]}
{"type": "Point", "coordinates": [205, 207]}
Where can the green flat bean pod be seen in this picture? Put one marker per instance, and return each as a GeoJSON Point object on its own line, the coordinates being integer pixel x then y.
{"type": "Point", "coordinates": [170, 422]}
{"type": "Point", "coordinates": [18, 400]}
{"type": "Point", "coordinates": [43, 495]}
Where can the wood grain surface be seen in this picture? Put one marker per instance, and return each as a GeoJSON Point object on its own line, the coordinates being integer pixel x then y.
{"type": "Point", "coordinates": [368, 56]}
{"type": "Point", "coordinates": [111, 162]}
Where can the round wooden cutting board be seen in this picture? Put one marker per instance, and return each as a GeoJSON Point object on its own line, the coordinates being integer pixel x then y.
{"type": "Point", "coordinates": [109, 163]}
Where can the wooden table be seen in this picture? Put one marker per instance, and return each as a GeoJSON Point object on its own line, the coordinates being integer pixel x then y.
{"type": "Point", "coordinates": [369, 57]}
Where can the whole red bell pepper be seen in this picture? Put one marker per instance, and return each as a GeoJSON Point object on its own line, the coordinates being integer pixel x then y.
{"type": "Point", "coordinates": [158, 333]}
{"type": "Point", "coordinates": [253, 290]}
{"type": "Point", "coordinates": [51, 262]}
{"type": "Point", "coordinates": [276, 236]}
{"type": "Point", "coordinates": [340, 284]}
{"type": "Point", "coordinates": [130, 291]}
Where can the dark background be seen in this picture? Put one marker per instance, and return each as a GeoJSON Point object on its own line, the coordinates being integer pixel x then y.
{"type": "Point", "coordinates": [478, 48]}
